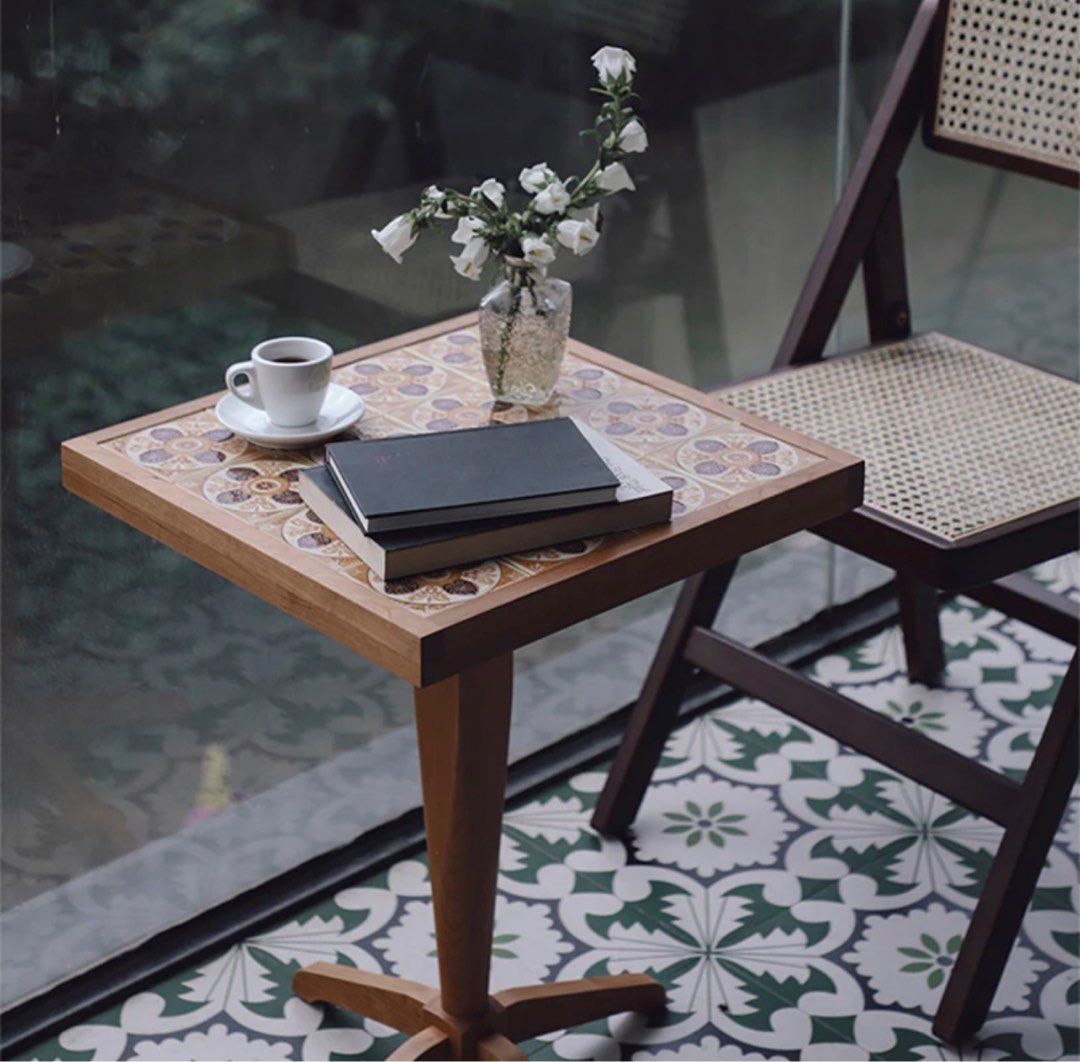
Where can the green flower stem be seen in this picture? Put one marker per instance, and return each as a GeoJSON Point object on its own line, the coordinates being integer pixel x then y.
{"type": "Point", "coordinates": [516, 284]}
{"type": "Point", "coordinates": [521, 278]}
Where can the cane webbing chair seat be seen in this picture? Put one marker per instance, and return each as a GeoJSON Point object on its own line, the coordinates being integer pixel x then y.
{"type": "Point", "coordinates": [1009, 79]}
{"type": "Point", "coordinates": [957, 440]}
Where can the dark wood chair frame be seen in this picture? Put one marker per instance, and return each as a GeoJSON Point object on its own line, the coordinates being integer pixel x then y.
{"type": "Point", "coordinates": [866, 230]}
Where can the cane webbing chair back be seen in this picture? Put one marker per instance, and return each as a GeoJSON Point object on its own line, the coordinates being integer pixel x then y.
{"type": "Point", "coordinates": [1008, 85]}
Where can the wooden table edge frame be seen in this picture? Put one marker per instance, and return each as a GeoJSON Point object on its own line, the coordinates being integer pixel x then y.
{"type": "Point", "coordinates": [425, 649]}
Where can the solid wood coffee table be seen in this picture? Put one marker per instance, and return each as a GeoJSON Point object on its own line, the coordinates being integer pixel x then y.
{"type": "Point", "coordinates": [740, 483]}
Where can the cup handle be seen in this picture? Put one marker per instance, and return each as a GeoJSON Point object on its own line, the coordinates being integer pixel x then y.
{"type": "Point", "coordinates": [249, 394]}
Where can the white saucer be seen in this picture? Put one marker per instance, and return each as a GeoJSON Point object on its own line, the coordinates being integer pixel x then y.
{"type": "Point", "coordinates": [341, 410]}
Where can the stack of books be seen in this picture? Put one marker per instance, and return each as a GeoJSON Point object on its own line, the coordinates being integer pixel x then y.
{"type": "Point", "coordinates": [419, 503]}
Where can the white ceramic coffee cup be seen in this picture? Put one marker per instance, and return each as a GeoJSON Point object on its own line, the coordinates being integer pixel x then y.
{"type": "Point", "coordinates": [287, 377]}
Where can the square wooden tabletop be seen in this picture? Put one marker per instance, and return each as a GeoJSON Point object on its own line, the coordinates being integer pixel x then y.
{"type": "Point", "coordinates": [740, 482]}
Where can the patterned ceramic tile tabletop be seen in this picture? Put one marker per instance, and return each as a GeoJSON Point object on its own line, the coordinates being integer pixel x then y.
{"type": "Point", "coordinates": [439, 385]}
{"type": "Point", "coordinates": [796, 900]}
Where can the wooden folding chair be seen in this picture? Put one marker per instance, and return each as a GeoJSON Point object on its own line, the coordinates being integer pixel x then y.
{"type": "Point", "coordinates": [971, 460]}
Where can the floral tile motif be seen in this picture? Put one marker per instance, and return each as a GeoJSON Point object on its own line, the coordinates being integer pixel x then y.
{"type": "Point", "coordinates": [1062, 575]}
{"type": "Point", "coordinates": [536, 560]}
{"type": "Point", "coordinates": [692, 491]}
{"type": "Point", "coordinates": [392, 381]}
{"type": "Point", "coordinates": [920, 949]}
{"type": "Point", "coordinates": [191, 444]}
{"type": "Point", "coordinates": [688, 494]}
{"type": "Point", "coordinates": [795, 899]}
{"type": "Point", "coordinates": [464, 405]}
{"type": "Point", "coordinates": [946, 715]}
{"type": "Point", "coordinates": [306, 532]}
{"type": "Point", "coordinates": [706, 824]}
{"type": "Point", "coordinates": [256, 489]}
{"type": "Point", "coordinates": [435, 589]}
{"type": "Point", "coordinates": [528, 942]}
{"type": "Point", "coordinates": [736, 457]}
{"type": "Point", "coordinates": [743, 955]}
{"type": "Point", "coordinates": [641, 419]}
{"type": "Point", "coordinates": [458, 352]}
{"type": "Point", "coordinates": [995, 712]}
{"type": "Point", "coordinates": [582, 383]}
{"type": "Point", "coordinates": [374, 425]}
{"type": "Point", "coordinates": [922, 844]}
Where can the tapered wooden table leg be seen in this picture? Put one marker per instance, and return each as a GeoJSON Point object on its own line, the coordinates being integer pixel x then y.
{"type": "Point", "coordinates": [463, 726]}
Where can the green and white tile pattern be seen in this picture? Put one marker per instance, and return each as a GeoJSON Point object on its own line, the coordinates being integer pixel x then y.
{"type": "Point", "coordinates": [796, 900]}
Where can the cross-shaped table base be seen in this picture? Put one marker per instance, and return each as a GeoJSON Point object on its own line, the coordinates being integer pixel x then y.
{"type": "Point", "coordinates": [513, 1015]}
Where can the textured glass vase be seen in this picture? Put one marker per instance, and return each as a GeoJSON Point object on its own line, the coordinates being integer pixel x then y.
{"type": "Point", "coordinates": [524, 322]}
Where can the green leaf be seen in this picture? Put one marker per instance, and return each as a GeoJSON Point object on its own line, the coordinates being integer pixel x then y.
{"type": "Point", "coordinates": [694, 809]}
{"type": "Point", "coordinates": [936, 978]}
{"type": "Point", "coordinates": [693, 838]}
{"type": "Point", "coordinates": [681, 828]}
{"type": "Point", "coordinates": [716, 838]}
{"type": "Point", "coordinates": [929, 942]}
{"type": "Point", "coordinates": [915, 967]}
{"type": "Point", "coordinates": [914, 953]}
{"type": "Point", "coordinates": [715, 809]}
{"type": "Point", "coordinates": [952, 945]}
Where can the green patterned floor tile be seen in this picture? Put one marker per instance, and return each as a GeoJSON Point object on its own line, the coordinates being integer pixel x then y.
{"type": "Point", "coordinates": [796, 900]}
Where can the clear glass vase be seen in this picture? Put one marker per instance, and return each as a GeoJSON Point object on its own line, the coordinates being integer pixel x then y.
{"type": "Point", "coordinates": [524, 322]}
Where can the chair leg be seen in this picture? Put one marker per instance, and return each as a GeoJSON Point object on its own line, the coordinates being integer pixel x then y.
{"type": "Point", "coordinates": [1014, 872]}
{"type": "Point", "coordinates": [657, 708]}
{"type": "Point", "coordinates": [921, 628]}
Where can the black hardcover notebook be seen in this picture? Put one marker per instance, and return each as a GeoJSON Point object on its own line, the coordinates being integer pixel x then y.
{"type": "Point", "coordinates": [642, 499]}
{"type": "Point", "coordinates": [475, 474]}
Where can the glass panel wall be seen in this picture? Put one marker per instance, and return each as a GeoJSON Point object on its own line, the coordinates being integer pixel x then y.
{"type": "Point", "coordinates": [183, 178]}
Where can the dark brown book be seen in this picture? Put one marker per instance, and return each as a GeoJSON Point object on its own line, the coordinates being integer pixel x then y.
{"type": "Point", "coordinates": [641, 498]}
